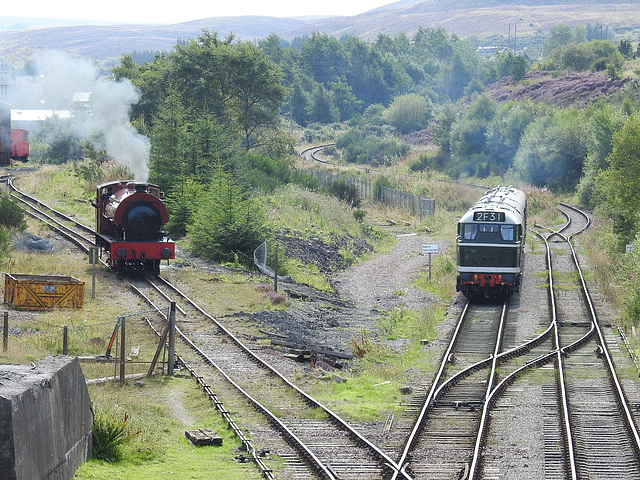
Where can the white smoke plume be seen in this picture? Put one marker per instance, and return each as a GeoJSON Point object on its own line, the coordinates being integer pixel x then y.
{"type": "Point", "coordinates": [111, 103]}
{"type": "Point", "coordinates": [106, 124]}
{"type": "Point", "coordinates": [60, 75]}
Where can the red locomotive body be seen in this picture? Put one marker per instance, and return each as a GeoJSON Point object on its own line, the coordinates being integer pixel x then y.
{"type": "Point", "coordinates": [129, 220]}
{"type": "Point", "coordinates": [19, 144]}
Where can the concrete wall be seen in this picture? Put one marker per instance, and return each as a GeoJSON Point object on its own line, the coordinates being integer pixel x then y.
{"type": "Point", "coordinates": [45, 420]}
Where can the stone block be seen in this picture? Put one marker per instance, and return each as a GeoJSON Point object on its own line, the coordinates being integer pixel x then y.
{"type": "Point", "coordinates": [46, 420]}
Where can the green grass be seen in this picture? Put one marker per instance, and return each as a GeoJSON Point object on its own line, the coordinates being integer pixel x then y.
{"type": "Point", "coordinates": [367, 396]}
{"type": "Point", "coordinates": [58, 187]}
{"type": "Point", "coordinates": [411, 324]}
{"type": "Point", "coordinates": [372, 389]}
{"type": "Point", "coordinates": [309, 212]}
{"type": "Point", "coordinates": [309, 274]}
{"type": "Point", "coordinates": [443, 276]}
{"type": "Point", "coordinates": [158, 415]}
{"type": "Point", "coordinates": [89, 328]}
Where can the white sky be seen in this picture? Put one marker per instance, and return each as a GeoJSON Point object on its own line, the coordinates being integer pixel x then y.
{"type": "Point", "coordinates": [154, 11]}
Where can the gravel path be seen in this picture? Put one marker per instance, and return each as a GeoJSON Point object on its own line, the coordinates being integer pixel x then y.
{"type": "Point", "coordinates": [387, 281]}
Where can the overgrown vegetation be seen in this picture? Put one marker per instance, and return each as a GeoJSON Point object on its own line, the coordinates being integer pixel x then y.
{"type": "Point", "coordinates": [110, 434]}
{"type": "Point", "coordinates": [151, 443]}
{"type": "Point", "coordinates": [11, 221]}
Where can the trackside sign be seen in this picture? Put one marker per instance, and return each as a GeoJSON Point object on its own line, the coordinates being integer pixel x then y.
{"type": "Point", "coordinates": [429, 248]}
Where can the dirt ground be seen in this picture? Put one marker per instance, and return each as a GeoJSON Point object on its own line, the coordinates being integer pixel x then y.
{"type": "Point", "coordinates": [323, 321]}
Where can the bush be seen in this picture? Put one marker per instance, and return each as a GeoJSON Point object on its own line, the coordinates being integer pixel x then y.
{"type": "Point", "coordinates": [423, 163]}
{"type": "Point", "coordinates": [96, 170]}
{"type": "Point", "coordinates": [539, 200]}
{"type": "Point", "coordinates": [263, 173]}
{"type": "Point", "coordinates": [11, 215]}
{"type": "Point", "coordinates": [109, 435]}
{"type": "Point", "coordinates": [362, 344]}
{"type": "Point", "coordinates": [359, 215]}
{"type": "Point", "coordinates": [409, 113]}
{"type": "Point", "coordinates": [228, 224]}
{"type": "Point", "coordinates": [227, 241]}
{"type": "Point", "coordinates": [373, 147]}
{"type": "Point", "coordinates": [276, 298]}
{"type": "Point", "coordinates": [345, 192]}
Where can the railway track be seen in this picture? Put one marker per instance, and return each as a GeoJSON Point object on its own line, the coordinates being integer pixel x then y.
{"type": "Point", "coordinates": [441, 444]}
{"type": "Point", "coordinates": [80, 235]}
{"type": "Point", "coordinates": [602, 437]}
{"type": "Point", "coordinates": [578, 413]}
{"type": "Point", "coordinates": [450, 432]}
{"type": "Point", "coordinates": [323, 444]}
{"type": "Point", "coordinates": [312, 153]}
{"type": "Point", "coordinates": [583, 437]}
{"type": "Point", "coordinates": [331, 447]}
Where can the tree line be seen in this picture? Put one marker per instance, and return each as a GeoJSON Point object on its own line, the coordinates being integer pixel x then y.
{"type": "Point", "coordinates": [220, 110]}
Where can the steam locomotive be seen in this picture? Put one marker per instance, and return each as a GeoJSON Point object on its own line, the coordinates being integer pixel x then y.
{"type": "Point", "coordinates": [490, 243]}
{"type": "Point", "coordinates": [129, 220]}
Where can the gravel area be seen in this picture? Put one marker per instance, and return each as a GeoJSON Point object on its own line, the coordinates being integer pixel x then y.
{"type": "Point", "coordinates": [363, 293]}
{"type": "Point", "coordinates": [386, 281]}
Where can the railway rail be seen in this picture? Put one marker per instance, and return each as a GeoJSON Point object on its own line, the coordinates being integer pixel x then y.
{"type": "Point", "coordinates": [327, 442]}
{"type": "Point", "coordinates": [324, 442]}
{"type": "Point", "coordinates": [459, 406]}
{"type": "Point", "coordinates": [601, 433]}
{"type": "Point", "coordinates": [557, 345]}
{"type": "Point", "coordinates": [76, 233]}
{"type": "Point", "coordinates": [80, 235]}
{"type": "Point", "coordinates": [594, 426]}
{"type": "Point", "coordinates": [312, 153]}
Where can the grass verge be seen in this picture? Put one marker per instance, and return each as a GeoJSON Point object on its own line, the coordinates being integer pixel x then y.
{"type": "Point", "coordinates": [158, 413]}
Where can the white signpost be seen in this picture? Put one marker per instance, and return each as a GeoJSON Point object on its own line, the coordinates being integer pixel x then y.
{"type": "Point", "coordinates": [430, 248]}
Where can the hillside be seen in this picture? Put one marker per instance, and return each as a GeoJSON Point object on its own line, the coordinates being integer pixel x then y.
{"type": "Point", "coordinates": [572, 89]}
{"type": "Point", "coordinates": [106, 41]}
{"type": "Point", "coordinates": [463, 17]}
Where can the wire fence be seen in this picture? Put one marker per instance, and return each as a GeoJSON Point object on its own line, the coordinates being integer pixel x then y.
{"type": "Point", "coordinates": [260, 260]}
{"type": "Point", "coordinates": [393, 198]}
{"type": "Point", "coordinates": [86, 337]}
{"type": "Point", "coordinates": [28, 335]}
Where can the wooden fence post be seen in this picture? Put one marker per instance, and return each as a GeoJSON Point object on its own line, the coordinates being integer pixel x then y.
{"type": "Point", "coordinates": [172, 338]}
{"type": "Point", "coordinates": [123, 352]}
{"type": "Point", "coordinates": [5, 332]}
{"type": "Point", "coordinates": [65, 339]}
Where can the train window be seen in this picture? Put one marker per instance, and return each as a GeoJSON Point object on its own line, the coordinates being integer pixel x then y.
{"type": "Point", "coordinates": [469, 231]}
{"type": "Point", "coordinates": [507, 232]}
{"type": "Point", "coordinates": [489, 228]}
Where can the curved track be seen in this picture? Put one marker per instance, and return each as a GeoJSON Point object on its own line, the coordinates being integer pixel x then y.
{"type": "Point", "coordinates": [80, 235]}
{"type": "Point", "coordinates": [603, 440]}
{"type": "Point", "coordinates": [594, 421]}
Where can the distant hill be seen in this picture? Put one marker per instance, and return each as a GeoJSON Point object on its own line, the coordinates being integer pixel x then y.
{"type": "Point", "coordinates": [463, 17]}
{"type": "Point", "coordinates": [105, 41]}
